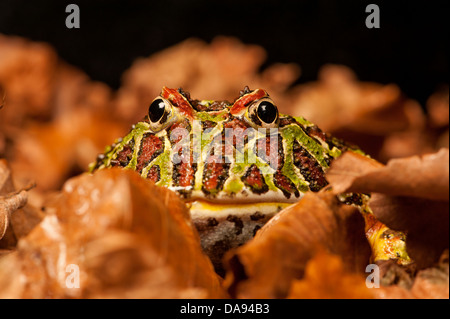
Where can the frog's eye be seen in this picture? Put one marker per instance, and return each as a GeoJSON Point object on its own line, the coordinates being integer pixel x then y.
{"type": "Point", "coordinates": [263, 113]}
{"type": "Point", "coordinates": [159, 113]}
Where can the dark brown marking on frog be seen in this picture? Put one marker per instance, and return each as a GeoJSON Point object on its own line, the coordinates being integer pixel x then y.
{"type": "Point", "coordinates": [124, 156]}
{"type": "Point", "coordinates": [216, 253]}
{"type": "Point", "coordinates": [274, 152]}
{"type": "Point", "coordinates": [315, 131]}
{"type": "Point", "coordinates": [186, 94]}
{"type": "Point", "coordinates": [208, 125]}
{"type": "Point", "coordinates": [99, 161]}
{"type": "Point", "coordinates": [154, 174]}
{"type": "Point", "coordinates": [352, 199]}
{"type": "Point", "coordinates": [176, 132]}
{"type": "Point", "coordinates": [218, 106]}
{"type": "Point", "coordinates": [309, 167]}
{"type": "Point", "coordinates": [255, 119]}
{"type": "Point", "coordinates": [183, 172]}
{"type": "Point", "coordinates": [340, 144]}
{"type": "Point", "coordinates": [150, 148]}
{"type": "Point", "coordinates": [246, 90]}
{"type": "Point", "coordinates": [257, 227]}
{"type": "Point", "coordinates": [287, 120]}
{"type": "Point", "coordinates": [239, 137]}
{"type": "Point", "coordinates": [270, 152]}
{"type": "Point", "coordinates": [212, 222]}
{"type": "Point", "coordinates": [254, 179]}
{"type": "Point", "coordinates": [214, 106]}
{"type": "Point", "coordinates": [238, 224]}
{"type": "Point", "coordinates": [214, 176]}
{"type": "Point", "coordinates": [257, 216]}
{"type": "Point", "coordinates": [285, 185]}
{"type": "Point", "coordinates": [216, 170]}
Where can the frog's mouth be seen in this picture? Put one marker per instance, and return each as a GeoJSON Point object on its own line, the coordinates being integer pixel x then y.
{"type": "Point", "coordinates": [201, 209]}
{"type": "Point", "coordinates": [243, 203]}
{"type": "Point", "coordinates": [243, 197]}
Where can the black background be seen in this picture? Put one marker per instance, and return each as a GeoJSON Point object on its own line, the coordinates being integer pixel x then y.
{"type": "Point", "coordinates": [410, 49]}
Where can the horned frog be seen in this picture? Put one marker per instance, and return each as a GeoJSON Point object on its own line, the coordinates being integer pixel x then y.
{"type": "Point", "coordinates": [235, 165]}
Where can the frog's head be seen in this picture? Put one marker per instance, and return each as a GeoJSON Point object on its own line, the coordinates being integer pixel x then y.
{"type": "Point", "coordinates": [221, 152]}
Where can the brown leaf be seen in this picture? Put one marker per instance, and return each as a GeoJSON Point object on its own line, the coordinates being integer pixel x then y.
{"type": "Point", "coordinates": [266, 266]}
{"type": "Point", "coordinates": [430, 283]}
{"type": "Point", "coordinates": [26, 76]}
{"type": "Point", "coordinates": [128, 238]}
{"type": "Point", "coordinates": [422, 177]}
{"type": "Point", "coordinates": [362, 106]}
{"type": "Point", "coordinates": [438, 108]}
{"type": "Point", "coordinates": [409, 195]}
{"type": "Point", "coordinates": [326, 278]}
{"type": "Point", "coordinates": [425, 222]}
{"type": "Point", "coordinates": [14, 221]}
{"type": "Point", "coordinates": [63, 147]}
{"type": "Point", "coordinates": [8, 205]}
{"type": "Point", "coordinates": [368, 113]}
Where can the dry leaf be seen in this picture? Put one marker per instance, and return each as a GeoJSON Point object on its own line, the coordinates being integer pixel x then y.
{"type": "Point", "coordinates": [14, 221]}
{"type": "Point", "coordinates": [422, 177]}
{"type": "Point", "coordinates": [362, 113]}
{"type": "Point", "coordinates": [63, 147]}
{"type": "Point", "coordinates": [26, 76]}
{"type": "Point", "coordinates": [266, 266]}
{"type": "Point", "coordinates": [431, 283]}
{"type": "Point", "coordinates": [127, 237]}
{"type": "Point", "coordinates": [438, 108]}
{"type": "Point", "coordinates": [425, 222]}
{"type": "Point", "coordinates": [409, 194]}
{"type": "Point", "coordinates": [362, 107]}
{"type": "Point", "coordinates": [54, 120]}
{"type": "Point", "coordinates": [8, 205]}
{"type": "Point", "coordinates": [326, 278]}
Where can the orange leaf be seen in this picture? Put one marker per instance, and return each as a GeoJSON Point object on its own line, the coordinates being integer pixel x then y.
{"type": "Point", "coordinates": [266, 266]}
{"type": "Point", "coordinates": [125, 237]}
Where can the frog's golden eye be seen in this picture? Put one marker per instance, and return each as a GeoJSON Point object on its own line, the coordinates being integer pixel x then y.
{"type": "Point", "coordinates": [159, 114]}
{"type": "Point", "coordinates": [263, 113]}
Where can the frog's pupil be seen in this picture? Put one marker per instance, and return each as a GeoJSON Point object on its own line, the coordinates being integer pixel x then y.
{"type": "Point", "coordinates": [267, 112]}
{"type": "Point", "coordinates": [156, 110]}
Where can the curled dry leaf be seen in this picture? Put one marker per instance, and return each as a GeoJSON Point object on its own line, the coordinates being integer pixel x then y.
{"type": "Point", "coordinates": [16, 220]}
{"type": "Point", "coordinates": [8, 205]}
{"type": "Point", "coordinates": [425, 222]}
{"type": "Point", "coordinates": [124, 236]}
{"type": "Point", "coordinates": [266, 266]}
{"type": "Point", "coordinates": [423, 177]}
{"type": "Point", "coordinates": [409, 194]}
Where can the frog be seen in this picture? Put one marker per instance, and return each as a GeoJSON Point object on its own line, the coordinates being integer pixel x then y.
{"type": "Point", "coordinates": [235, 164]}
